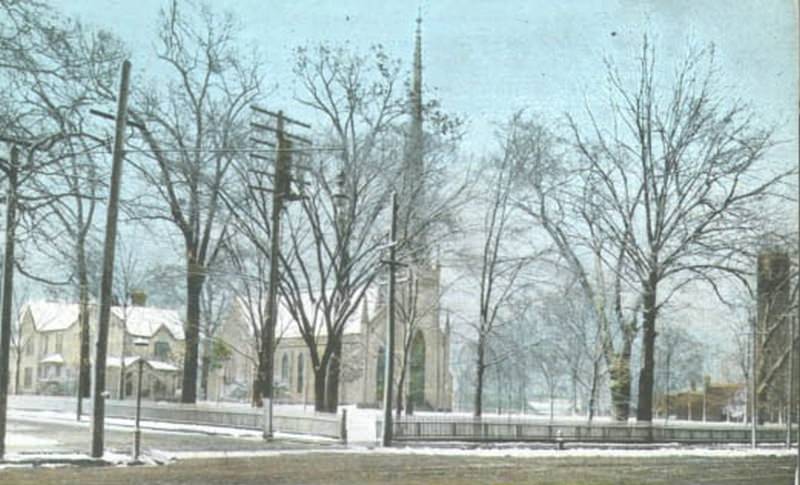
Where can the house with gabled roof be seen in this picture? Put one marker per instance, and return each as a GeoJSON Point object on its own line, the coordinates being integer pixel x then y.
{"type": "Point", "coordinates": [50, 358]}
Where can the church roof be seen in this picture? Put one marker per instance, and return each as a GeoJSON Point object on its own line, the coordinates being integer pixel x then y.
{"type": "Point", "coordinates": [288, 328]}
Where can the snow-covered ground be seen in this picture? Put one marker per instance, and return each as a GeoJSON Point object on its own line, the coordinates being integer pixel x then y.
{"type": "Point", "coordinates": [50, 460]}
{"type": "Point", "coordinates": [164, 428]}
{"type": "Point", "coordinates": [20, 439]}
{"type": "Point", "coordinates": [717, 452]}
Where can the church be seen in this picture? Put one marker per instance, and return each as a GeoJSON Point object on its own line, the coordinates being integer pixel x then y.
{"type": "Point", "coordinates": [422, 336]}
{"type": "Point", "coordinates": [422, 348]}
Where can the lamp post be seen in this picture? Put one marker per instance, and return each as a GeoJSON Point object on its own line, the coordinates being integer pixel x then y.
{"type": "Point", "coordinates": [137, 432]}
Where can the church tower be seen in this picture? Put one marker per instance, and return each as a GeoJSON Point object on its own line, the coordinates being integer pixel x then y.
{"type": "Point", "coordinates": [421, 345]}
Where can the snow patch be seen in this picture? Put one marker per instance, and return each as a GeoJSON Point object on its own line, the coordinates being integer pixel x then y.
{"type": "Point", "coordinates": [17, 440]}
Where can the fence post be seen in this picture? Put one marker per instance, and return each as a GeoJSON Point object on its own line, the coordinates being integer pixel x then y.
{"type": "Point", "coordinates": [267, 424]}
{"type": "Point", "coordinates": [343, 427]}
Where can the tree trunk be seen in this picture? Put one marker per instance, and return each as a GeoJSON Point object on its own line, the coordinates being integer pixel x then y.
{"type": "Point", "coordinates": [17, 369]}
{"type": "Point", "coordinates": [194, 286]}
{"type": "Point", "coordinates": [334, 374]}
{"type": "Point", "coordinates": [593, 389]}
{"type": "Point", "coordinates": [666, 394]}
{"type": "Point", "coordinates": [401, 382]}
{"type": "Point", "coordinates": [574, 392]}
{"type": "Point", "coordinates": [479, 371]}
{"type": "Point", "coordinates": [204, 369]}
{"type": "Point", "coordinates": [256, 400]}
{"type": "Point", "coordinates": [619, 377]}
{"type": "Point", "coordinates": [644, 411]}
{"type": "Point", "coordinates": [319, 387]}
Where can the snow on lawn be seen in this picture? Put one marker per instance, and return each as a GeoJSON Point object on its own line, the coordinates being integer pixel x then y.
{"type": "Point", "coordinates": [20, 440]}
{"type": "Point", "coordinates": [56, 460]}
{"type": "Point", "coordinates": [126, 424]}
{"type": "Point", "coordinates": [123, 424]}
{"type": "Point", "coordinates": [727, 452]}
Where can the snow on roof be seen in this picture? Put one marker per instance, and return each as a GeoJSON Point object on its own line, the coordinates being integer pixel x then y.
{"type": "Point", "coordinates": [146, 321]}
{"type": "Point", "coordinates": [158, 365]}
{"type": "Point", "coordinates": [287, 328]}
{"type": "Point", "coordinates": [114, 361]}
{"type": "Point", "coordinates": [50, 316]}
{"type": "Point", "coordinates": [52, 359]}
{"type": "Point", "coordinates": [139, 321]}
{"type": "Point", "coordinates": [131, 360]}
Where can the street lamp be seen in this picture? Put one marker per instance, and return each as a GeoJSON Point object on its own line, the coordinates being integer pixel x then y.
{"type": "Point", "coordinates": [137, 432]}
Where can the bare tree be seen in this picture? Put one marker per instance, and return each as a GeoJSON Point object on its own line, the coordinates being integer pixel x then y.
{"type": "Point", "coordinates": [194, 128]}
{"type": "Point", "coordinates": [336, 232]}
{"type": "Point", "coordinates": [553, 191]}
{"type": "Point", "coordinates": [50, 65]}
{"type": "Point", "coordinates": [500, 264]}
{"type": "Point", "coordinates": [677, 178]}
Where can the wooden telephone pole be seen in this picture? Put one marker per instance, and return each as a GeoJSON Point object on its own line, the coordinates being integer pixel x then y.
{"type": "Point", "coordinates": [7, 289]}
{"type": "Point", "coordinates": [108, 264]}
{"type": "Point", "coordinates": [388, 380]}
{"type": "Point", "coordinates": [281, 192]}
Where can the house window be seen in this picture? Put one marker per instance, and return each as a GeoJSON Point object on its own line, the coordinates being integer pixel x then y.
{"type": "Point", "coordinates": [29, 346]}
{"type": "Point", "coordinates": [28, 377]}
{"type": "Point", "coordinates": [300, 373]}
{"type": "Point", "coordinates": [59, 342]}
{"type": "Point", "coordinates": [161, 350]}
{"type": "Point", "coordinates": [45, 344]}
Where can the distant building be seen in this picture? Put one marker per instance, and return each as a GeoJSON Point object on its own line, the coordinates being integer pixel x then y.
{"type": "Point", "coordinates": [775, 317]}
{"type": "Point", "coordinates": [50, 333]}
{"type": "Point", "coordinates": [713, 402]}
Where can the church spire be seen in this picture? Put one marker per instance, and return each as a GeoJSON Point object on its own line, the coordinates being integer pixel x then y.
{"type": "Point", "coordinates": [413, 195]}
{"type": "Point", "coordinates": [416, 87]}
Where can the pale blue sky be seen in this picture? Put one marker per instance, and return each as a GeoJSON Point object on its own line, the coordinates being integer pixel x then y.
{"type": "Point", "coordinates": [490, 58]}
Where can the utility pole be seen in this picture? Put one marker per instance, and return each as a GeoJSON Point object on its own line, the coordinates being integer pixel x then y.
{"type": "Point", "coordinates": [754, 390]}
{"type": "Point", "coordinates": [8, 285]}
{"type": "Point", "coordinates": [790, 400]}
{"type": "Point", "coordinates": [282, 165]}
{"type": "Point", "coordinates": [281, 192]}
{"type": "Point", "coordinates": [388, 380]}
{"type": "Point", "coordinates": [108, 264]}
{"type": "Point", "coordinates": [797, 305]}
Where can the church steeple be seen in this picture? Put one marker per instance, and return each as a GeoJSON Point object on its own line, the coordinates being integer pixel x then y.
{"type": "Point", "coordinates": [413, 197]}
{"type": "Point", "coordinates": [416, 86]}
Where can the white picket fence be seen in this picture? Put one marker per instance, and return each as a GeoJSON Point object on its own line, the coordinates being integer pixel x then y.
{"type": "Point", "coordinates": [326, 425]}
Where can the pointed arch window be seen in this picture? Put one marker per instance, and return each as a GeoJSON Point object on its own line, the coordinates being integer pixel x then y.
{"type": "Point", "coordinates": [285, 368]}
{"type": "Point", "coordinates": [300, 370]}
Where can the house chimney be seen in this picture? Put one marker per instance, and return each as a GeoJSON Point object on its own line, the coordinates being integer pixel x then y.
{"type": "Point", "coordinates": [138, 298]}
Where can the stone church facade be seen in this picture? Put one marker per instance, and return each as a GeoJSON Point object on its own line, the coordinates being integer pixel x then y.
{"type": "Point", "coordinates": [422, 348]}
